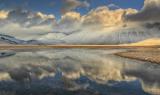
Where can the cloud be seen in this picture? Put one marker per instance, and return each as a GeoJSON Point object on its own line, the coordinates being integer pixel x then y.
{"type": "Point", "coordinates": [114, 35]}
{"type": "Point", "coordinates": [70, 5]}
{"type": "Point", "coordinates": [25, 33]}
{"type": "Point", "coordinates": [27, 18]}
{"type": "Point", "coordinates": [150, 12]}
{"type": "Point", "coordinates": [25, 24]}
{"type": "Point", "coordinates": [105, 17]}
{"type": "Point", "coordinates": [70, 22]}
{"type": "Point", "coordinates": [3, 14]}
{"type": "Point", "coordinates": [113, 6]}
{"type": "Point", "coordinates": [100, 17]}
{"type": "Point", "coordinates": [99, 26]}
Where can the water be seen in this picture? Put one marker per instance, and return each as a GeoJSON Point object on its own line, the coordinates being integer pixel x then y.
{"type": "Point", "coordinates": [76, 72]}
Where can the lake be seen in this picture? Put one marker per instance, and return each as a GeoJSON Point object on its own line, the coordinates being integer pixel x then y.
{"type": "Point", "coordinates": [76, 72]}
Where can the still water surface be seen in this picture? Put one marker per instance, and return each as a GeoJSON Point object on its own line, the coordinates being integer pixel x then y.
{"type": "Point", "coordinates": [76, 72]}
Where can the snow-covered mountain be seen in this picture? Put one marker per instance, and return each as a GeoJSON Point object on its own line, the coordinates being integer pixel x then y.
{"type": "Point", "coordinates": [6, 39]}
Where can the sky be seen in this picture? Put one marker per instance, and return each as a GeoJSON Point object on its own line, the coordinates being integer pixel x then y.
{"type": "Point", "coordinates": [82, 21]}
{"type": "Point", "coordinates": [57, 6]}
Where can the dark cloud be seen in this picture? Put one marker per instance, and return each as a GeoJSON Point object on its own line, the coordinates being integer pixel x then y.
{"type": "Point", "coordinates": [18, 15]}
{"type": "Point", "coordinates": [28, 19]}
{"type": "Point", "coordinates": [150, 12]}
{"type": "Point", "coordinates": [70, 5]}
{"type": "Point", "coordinates": [153, 25]}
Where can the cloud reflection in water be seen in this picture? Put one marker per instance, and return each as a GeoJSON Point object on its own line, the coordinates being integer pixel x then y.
{"type": "Point", "coordinates": [97, 70]}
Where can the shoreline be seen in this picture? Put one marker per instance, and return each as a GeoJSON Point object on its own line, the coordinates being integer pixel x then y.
{"type": "Point", "coordinates": [17, 47]}
{"type": "Point", "coordinates": [152, 56]}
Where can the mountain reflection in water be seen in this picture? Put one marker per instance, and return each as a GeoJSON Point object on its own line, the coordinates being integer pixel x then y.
{"type": "Point", "coordinates": [77, 72]}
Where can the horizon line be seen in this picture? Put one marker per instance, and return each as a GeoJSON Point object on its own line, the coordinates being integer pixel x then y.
{"type": "Point", "coordinates": [16, 47]}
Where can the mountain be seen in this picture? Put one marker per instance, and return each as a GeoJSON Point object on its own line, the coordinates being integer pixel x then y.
{"type": "Point", "coordinates": [6, 39]}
